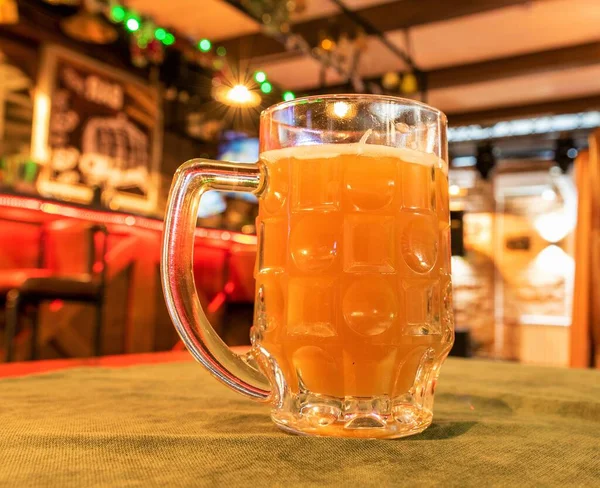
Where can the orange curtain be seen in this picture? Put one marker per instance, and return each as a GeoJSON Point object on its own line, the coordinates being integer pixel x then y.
{"type": "Point", "coordinates": [585, 329]}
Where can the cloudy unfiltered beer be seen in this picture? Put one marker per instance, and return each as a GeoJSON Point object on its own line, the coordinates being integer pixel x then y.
{"type": "Point", "coordinates": [353, 310]}
{"type": "Point", "coordinates": [353, 271]}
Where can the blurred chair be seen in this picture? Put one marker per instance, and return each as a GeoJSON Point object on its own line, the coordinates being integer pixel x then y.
{"type": "Point", "coordinates": [74, 271]}
{"type": "Point", "coordinates": [19, 241]}
{"type": "Point", "coordinates": [22, 254]}
{"type": "Point", "coordinates": [135, 252]}
{"type": "Point", "coordinates": [211, 268]}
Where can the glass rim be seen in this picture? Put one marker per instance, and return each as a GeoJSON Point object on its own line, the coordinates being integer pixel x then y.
{"type": "Point", "coordinates": [355, 96]}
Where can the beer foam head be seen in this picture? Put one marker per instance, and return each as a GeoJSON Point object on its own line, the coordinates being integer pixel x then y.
{"type": "Point", "coordinates": [325, 151]}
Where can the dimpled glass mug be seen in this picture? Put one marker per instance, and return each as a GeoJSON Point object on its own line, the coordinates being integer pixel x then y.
{"type": "Point", "coordinates": [353, 311]}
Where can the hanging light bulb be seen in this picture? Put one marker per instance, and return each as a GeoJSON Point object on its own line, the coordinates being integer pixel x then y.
{"type": "Point", "coordinates": [390, 80]}
{"type": "Point", "coordinates": [486, 159]}
{"type": "Point", "coordinates": [89, 25]}
{"type": "Point", "coordinates": [327, 41]}
{"type": "Point", "coordinates": [565, 153]}
{"type": "Point", "coordinates": [327, 44]}
{"type": "Point", "coordinates": [409, 84]}
{"type": "Point", "coordinates": [555, 226]}
{"type": "Point", "coordinates": [237, 96]}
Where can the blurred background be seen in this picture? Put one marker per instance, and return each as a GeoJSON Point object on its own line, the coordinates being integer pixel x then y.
{"type": "Point", "coordinates": [101, 101]}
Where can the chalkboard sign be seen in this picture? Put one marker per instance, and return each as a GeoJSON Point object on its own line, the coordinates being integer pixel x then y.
{"type": "Point", "coordinates": [95, 127]}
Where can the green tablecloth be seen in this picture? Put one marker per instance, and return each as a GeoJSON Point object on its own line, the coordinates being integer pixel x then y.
{"type": "Point", "coordinates": [172, 425]}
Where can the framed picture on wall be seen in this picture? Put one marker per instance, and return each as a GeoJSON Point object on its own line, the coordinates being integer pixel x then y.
{"type": "Point", "coordinates": [96, 127]}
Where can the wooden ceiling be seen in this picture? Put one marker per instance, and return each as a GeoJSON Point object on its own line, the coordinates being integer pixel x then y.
{"type": "Point", "coordinates": [484, 59]}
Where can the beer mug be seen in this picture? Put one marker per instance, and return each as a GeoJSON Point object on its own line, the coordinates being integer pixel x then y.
{"type": "Point", "coordinates": [353, 310]}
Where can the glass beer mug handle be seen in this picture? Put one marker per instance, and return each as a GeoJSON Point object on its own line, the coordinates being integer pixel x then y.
{"type": "Point", "coordinates": [191, 180]}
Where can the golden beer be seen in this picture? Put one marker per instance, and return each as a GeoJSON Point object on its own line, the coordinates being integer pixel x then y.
{"type": "Point", "coordinates": [353, 271]}
{"type": "Point", "coordinates": [353, 310]}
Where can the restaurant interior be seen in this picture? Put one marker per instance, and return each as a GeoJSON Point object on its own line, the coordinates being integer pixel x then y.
{"type": "Point", "coordinates": [102, 100]}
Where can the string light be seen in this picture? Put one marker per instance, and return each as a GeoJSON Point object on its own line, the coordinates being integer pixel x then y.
{"type": "Point", "coordinates": [132, 24]}
{"type": "Point", "coordinates": [266, 87]}
{"type": "Point", "coordinates": [117, 13]}
{"type": "Point", "coordinates": [260, 76]}
{"type": "Point", "coordinates": [204, 45]}
{"type": "Point", "coordinates": [169, 39]}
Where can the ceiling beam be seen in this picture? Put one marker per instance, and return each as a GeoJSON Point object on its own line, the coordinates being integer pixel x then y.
{"type": "Point", "coordinates": [578, 56]}
{"type": "Point", "coordinates": [524, 64]}
{"type": "Point", "coordinates": [390, 16]}
{"type": "Point", "coordinates": [570, 105]}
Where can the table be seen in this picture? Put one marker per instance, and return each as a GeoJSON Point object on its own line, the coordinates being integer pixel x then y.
{"type": "Point", "coordinates": [170, 424]}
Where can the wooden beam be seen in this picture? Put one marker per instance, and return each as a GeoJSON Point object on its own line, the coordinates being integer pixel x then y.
{"type": "Point", "coordinates": [496, 69]}
{"type": "Point", "coordinates": [399, 14]}
{"type": "Point", "coordinates": [570, 105]}
{"type": "Point", "coordinates": [523, 64]}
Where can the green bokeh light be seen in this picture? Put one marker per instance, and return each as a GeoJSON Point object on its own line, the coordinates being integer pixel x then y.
{"type": "Point", "coordinates": [132, 24]}
{"type": "Point", "coordinates": [260, 76]}
{"type": "Point", "coordinates": [117, 13]}
{"type": "Point", "coordinates": [205, 45]}
{"type": "Point", "coordinates": [266, 87]}
{"type": "Point", "coordinates": [288, 95]}
{"type": "Point", "coordinates": [160, 34]}
{"type": "Point", "coordinates": [169, 39]}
